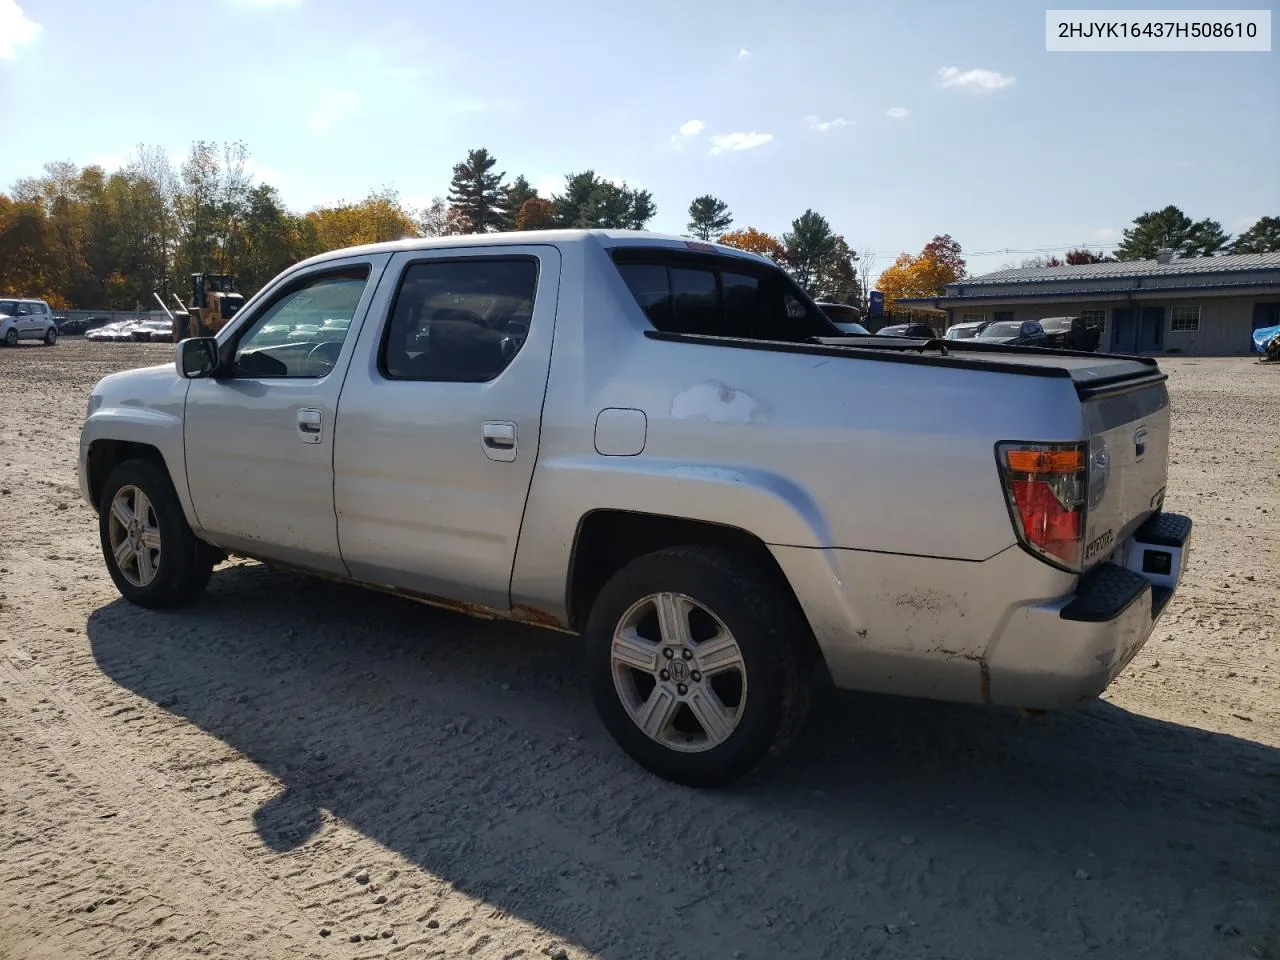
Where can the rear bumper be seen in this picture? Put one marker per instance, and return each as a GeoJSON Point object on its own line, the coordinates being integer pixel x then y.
{"type": "Point", "coordinates": [1054, 654]}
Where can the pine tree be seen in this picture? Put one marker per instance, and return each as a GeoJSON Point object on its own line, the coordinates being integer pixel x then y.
{"type": "Point", "coordinates": [1171, 229]}
{"type": "Point", "coordinates": [708, 217]}
{"type": "Point", "coordinates": [477, 192]}
{"type": "Point", "coordinates": [513, 198]}
{"type": "Point", "coordinates": [810, 243]}
{"type": "Point", "coordinates": [1262, 237]}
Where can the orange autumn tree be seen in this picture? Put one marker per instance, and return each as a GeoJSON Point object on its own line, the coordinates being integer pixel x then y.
{"type": "Point", "coordinates": [536, 214]}
{"type": "Point", "coordinates": [756, 241]}
{"type": "Point", "coordinates": [924, 274]}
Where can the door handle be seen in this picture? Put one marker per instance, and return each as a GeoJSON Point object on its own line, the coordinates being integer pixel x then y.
{"type": "Point", "coordinates": [310, 424]}
{"type": "Point", "coordinates": [499, 440]}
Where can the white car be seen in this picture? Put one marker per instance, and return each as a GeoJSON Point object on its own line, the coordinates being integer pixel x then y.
{"type": "Point", "coordinates": [967, 330]}
{"type": "Point", "coordinates": [118, 331]}
{"type": "Point", "coordinates": [26, 320]}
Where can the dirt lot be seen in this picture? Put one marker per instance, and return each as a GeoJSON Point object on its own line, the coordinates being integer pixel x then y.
{"type": "Point", "coordinates": [286, 770]}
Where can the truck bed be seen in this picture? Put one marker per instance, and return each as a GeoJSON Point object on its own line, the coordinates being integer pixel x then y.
{"type": "Point", "coordinates": [1092, 373]}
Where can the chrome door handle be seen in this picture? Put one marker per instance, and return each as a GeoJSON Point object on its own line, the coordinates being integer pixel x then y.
{"type": "Point", "coordinates": [499, 440]}
{"type": "Point", "coordinates": [310, 425]}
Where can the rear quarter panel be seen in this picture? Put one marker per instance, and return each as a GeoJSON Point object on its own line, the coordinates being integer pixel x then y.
{"type": "Point", "coordinates": [800, 450]}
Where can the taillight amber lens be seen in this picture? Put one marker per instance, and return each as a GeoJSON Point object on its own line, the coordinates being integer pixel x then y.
{"type": "Point", "coordinates": [1046, 486]}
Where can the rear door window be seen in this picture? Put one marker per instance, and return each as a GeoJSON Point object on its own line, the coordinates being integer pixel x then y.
{"type": "Point", "coordinates": [720, 296]}
{"type": "Point", "coordinates": [696, 297]}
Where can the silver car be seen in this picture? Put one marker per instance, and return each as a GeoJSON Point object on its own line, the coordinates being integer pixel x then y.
{"type": "Point", "coordinates": [27, 320]}
{"type": "Point", "coordinates": [658, 444]}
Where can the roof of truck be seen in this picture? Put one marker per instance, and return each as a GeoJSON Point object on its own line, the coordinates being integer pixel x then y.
{"type": "Point", "coordinates": [606, 238]}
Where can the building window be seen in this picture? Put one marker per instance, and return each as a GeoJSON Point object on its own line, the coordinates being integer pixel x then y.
{"type": "Point", "coordinates": [973, 318]}
{"type": "Point", "coordinates": [1094, 319]}
{"type": "Point", "coordinates": [1184, 319]}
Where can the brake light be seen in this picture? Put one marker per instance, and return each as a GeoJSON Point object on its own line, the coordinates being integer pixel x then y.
{"type": "Point", "coordinates": [1046, 485]}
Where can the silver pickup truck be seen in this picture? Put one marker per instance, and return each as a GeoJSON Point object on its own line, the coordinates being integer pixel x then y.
{"type": "Point", "coordinates": [663, 446]}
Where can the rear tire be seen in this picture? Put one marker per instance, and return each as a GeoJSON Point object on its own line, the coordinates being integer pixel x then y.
{"type": "Point", "coordinates": [51, 336]}
{"type": "Point", "coordinates": [151, 553]}
{"type": "Point", "coordinates": [709, 726]}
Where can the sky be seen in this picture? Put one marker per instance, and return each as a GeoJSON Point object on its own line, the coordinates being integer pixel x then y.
{"type": "Point", "coordinates": [896, 121]}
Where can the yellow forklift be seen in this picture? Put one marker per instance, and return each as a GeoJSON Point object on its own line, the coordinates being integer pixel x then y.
{"type": "Point", "coordinates": [213, 302]}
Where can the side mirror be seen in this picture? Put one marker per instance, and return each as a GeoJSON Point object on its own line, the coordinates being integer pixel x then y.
{"type": "Point", "coordinates": [197, 357]}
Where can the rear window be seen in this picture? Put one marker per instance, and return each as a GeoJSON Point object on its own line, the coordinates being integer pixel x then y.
{"type": "Point", "coordinates": [719, 296]}
{"type": "Point", "coordinates": [1002, 330]}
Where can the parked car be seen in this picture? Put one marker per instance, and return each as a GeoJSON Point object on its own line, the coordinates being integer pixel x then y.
{"type": "Point", "coordinates": [71, 328]}
{"type": "Point", "coordinates": [1072, 333]}
{"type": "Point", "coordinates": [1011, 333]}
{"type": "Point", "coordinates": [26, 320]}
{"type": "Point", "coordinates": [966, 330]}
{"type": "Point", "coordinates": [845, 317]}
{"type": "Point", "coordinates": [153, 331]}
{"type": "Point", "coordinates": [117, 331]}
{"type": "Point", "coordinates": [714, 513]}
{"type": "Point", "coordinates": [913, 331]}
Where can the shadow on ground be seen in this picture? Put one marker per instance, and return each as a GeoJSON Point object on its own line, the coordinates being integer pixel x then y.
{"type": "Point", "coordinates": [896, 829]}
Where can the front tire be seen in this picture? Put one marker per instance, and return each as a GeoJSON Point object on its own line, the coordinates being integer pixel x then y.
{"type": "Point", "coordinates": [699, 665]}
{"type": "Point", "coordinates": [11, 337]}
{"type": "Point", "coordinates": [151, 553]}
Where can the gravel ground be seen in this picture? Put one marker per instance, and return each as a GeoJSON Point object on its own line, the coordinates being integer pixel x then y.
{"type": "Point", "coordinates": [293, 770]}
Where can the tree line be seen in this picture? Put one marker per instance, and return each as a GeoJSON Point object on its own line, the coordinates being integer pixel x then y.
{"type": "Point", "coordinates": [83, 237]}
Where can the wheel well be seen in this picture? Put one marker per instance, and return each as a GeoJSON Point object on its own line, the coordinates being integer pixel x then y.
{"type": "Point", "coordinates": [106, 455]}
{"type": "Point", "coordinates": [608, 540]}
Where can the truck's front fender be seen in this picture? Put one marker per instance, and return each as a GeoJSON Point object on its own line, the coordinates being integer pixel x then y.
{"type": "Point", "coordinates": [159, 429]}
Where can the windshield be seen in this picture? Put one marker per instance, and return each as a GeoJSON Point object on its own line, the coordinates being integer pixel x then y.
{"type": "Point", "coordinates": [962, 333]}
{"type": "Point", "coordinates": [997, 330]}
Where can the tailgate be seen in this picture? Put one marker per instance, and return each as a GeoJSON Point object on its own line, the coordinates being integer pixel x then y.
{"type": "Point", "coordinates": [1128, 429]}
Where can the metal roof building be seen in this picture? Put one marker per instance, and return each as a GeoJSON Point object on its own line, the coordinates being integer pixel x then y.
{"type": "Point", "coordinates": [1199, 305]}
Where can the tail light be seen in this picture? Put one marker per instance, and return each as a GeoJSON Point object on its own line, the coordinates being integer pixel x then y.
{"type": "Point", "coordinates": [1046, 485]}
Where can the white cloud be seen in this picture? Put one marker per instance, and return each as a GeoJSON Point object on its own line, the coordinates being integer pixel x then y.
{"type": "Point", "coordinates": [688, 130]}
{"type": "Point", "coordinates": [1241, 224]}
{"type": "Point", "coordinates": [1104, 233]}
{"type": "Point", "coordinates": [896, 113]}
{"type": "Point", "coordinates": [16, 29]}
{"type": "Point", "coordinates": [817, 123]}
{"type": "Point", "coordinates": [726, 142]}
{"type": "Point", "coordinates": [977, 81]}
{"type": "Point", "coordinates": [744, 54]}
{"type": "Point", "coordinates": [266, 4]}
{"type": "Point", "coordinates": [334, 105]}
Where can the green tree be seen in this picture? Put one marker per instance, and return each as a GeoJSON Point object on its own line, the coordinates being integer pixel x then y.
{"type": "Point", "coordinates": [1262, 237]}
{"type": "Point", "coordinates": [836, 276]}
{"type": "Point", "coordinates": [274, 239]}
{"type": "Point", "coordinates": [1206, 239]}
{"type": "Point", "coordinates": [477, 191]}
{"type": "Point", "coordinates": [1172, 229]}
{"type": "Point", "coordinates": [810, 244]}
{"type": "Point", "coordinates": [708, 217]}
{"type": "Point", "coordinates": [591, 202]}
{"type": "Point", "coordinates": [514, 196]}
